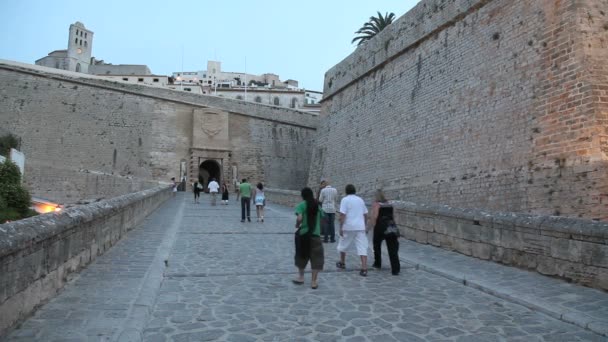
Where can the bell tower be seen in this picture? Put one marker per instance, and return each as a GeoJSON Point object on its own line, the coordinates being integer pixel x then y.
{"type": "Point", "coordinates": [80, 44]}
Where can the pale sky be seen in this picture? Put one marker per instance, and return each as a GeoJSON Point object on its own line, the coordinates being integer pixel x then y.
{"type": "Point", "coordinates": [298, 40]}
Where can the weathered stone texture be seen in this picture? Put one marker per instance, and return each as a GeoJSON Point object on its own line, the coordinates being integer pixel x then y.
{"type": "Point", "coordinates": [38, 254]}
{"type": "Point", "coordinates": [491, 104]}
{"type": "Point", "coordinates": [85, 137]}
{"type": "Point", "coordinates": [289, 198]}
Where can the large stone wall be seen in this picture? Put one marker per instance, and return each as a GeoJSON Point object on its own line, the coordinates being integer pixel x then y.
{"type": "Point", "coordinates": [86, 137]}
{"type": "Point", "coordinates": [38, 254]}
{"type": "Point", "coordinates": [493, 104]}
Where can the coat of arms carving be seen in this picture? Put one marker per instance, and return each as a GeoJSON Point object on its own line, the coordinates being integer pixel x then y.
{"type": "Point", "coordinates": [211, 123]}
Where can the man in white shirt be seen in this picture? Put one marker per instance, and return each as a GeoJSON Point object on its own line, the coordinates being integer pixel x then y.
{"type": "Point", "coordinates": [353, 216]}
{"type": "Point", "coordinates": [328, 198]}
{"type": "Point", "coordinates": [214, 188]}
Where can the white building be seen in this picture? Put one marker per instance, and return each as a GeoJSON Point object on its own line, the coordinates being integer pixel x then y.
{"type": "Point", "coordinates": [312, 97]}
{"type": "Point", "coordinates": [269, 96]}
{"type": "Point", "coordinates": [157, 80]}
{"type": "Point", "coordinates": [266, 88]}
{"type": "Point", "coordinates": [215, 76]}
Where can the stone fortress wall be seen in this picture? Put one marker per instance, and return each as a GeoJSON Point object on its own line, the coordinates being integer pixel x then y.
{"type": "Point", "coordinates": [491, 104]}
{"type": "Point", "coordinates": [85, 137]}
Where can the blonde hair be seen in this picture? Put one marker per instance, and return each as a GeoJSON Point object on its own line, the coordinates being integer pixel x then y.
{"type": "Point", "coordinates": [380, 196]}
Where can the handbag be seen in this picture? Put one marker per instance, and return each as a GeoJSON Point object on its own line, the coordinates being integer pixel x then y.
{"type": "Point", "coordinates": [391, 229]}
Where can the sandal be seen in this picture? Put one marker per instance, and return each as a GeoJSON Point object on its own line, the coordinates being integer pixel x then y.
{"type": "Point", "coordinates": [314, 286]}
{"type": "Point", "coordinates": [363, 273]}
{"type": "Point", "coordinates": [297, 282]}
{"type": "Point", "coordinates": [340, 265]}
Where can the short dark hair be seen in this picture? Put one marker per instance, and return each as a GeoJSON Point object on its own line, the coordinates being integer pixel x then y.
{"type": "Point", "coordinates": [244, 180]}
{"type": "Point", "coordinates": [260, 186]}
{"type": "Point", "coordinates": [350, 189]}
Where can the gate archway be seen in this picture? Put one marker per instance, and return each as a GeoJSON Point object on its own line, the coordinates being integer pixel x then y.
{"type": "Point", "coordinates": [207, 170]}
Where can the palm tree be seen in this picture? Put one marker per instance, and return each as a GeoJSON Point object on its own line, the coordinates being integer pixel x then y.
{"type": "Point", "coordinates": [373, 27]}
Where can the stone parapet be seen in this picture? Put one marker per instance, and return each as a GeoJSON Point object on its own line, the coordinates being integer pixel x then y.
{"type": "Point", "coordinates": [38, 254]}
{"type": "Point", "coordinates": [572, 249]}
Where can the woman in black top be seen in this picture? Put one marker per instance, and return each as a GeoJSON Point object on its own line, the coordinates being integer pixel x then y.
{"type": "Point", "coordinates": [381, 217]}
{"type": "Point", "coordinates": [196, 188]}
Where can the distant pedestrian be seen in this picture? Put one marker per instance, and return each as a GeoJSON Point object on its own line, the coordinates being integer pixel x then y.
{"type": "Point", "coordinates": [173, 186]}
{"type": "Point", "coordinates": [237, 190]}
{"type": "Point", "coordinates": [259, 199]}
{"type": "Point", "coordinates": [225, 193]}
{"type": "Point", "coordinates": [214, 188]}
{"type": "Point", "coordinates": [353, 218]}
{"type": "Point", "coordinates": [196, 188]}
{"type": "Point", "coordinates": [321, 186]}
{"type": "Point", "coordinates": [308, 238]}
{"type": "Point", "coordinates": [245, 191]}
{"type": "Point", "coordinates": [328, 198]}
{"type": "Point", "coordinates": [380, 219]}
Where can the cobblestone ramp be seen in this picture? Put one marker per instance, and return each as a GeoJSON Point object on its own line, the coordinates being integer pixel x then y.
{"type": "Point", "coordinates": [224, 280]}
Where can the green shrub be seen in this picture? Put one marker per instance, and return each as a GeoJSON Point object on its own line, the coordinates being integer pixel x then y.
{"type": "Point", "coordinates": [16, 197]}
{"type": "Point", "coordinates": [8, 214]}
{"type": "Point", "coordinates": [3, 204]}
{"type": "Point", "coordinates": [15, 200]}
{"type": "Point", "coordinates": [6, 143]}
{"type": "Point", "coordinates": [9, 173]}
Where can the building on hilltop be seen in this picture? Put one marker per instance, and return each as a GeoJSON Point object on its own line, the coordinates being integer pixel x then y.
{"type": "Point", "coordinates": [77, 57]}
{"type": "Point", "coordinates": [155, 80]}
{"type": "Point", "coordinates": [99, 67]}
{"type": "Point", "coordinates": [266, 88]}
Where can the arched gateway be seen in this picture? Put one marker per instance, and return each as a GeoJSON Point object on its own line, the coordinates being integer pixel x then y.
{"type": "Point", "coordinates": [209, 169]}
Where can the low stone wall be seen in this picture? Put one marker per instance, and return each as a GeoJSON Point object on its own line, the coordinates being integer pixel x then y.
{"type": "Point", "coordinates": [573, 249]}
{"type": "Point", "coordinates": [288, 198]}
{"type": "Point", "coordinates": [38, 254]}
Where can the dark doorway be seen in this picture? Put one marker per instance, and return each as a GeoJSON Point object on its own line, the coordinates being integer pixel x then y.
{"type": "Point", "coordinates": [207, 170]}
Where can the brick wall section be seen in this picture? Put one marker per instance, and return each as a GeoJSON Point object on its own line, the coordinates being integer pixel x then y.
{"type": "Point", "coordinates": [458, 102]}
{"type": "Point", "coordinates": [38, 254]}
{"type": "Point", "coordinates": [85, 137]}
{"type": "Point", "coordinates": [569, 248]}
{"type": "Point", "coordinates": [567, 168]}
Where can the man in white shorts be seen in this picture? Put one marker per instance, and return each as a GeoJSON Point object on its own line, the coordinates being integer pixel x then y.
{"type": "Point", "coordinates": [214, 187]}
{"type": "Point", "coordinates": [353, 216]}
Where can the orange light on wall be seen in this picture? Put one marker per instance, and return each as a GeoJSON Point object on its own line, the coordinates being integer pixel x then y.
{"type": "Point", "coordinates": [46, 208]}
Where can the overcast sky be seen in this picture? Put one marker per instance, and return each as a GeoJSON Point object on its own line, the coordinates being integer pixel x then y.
{"type": "Point", "coordinates": [300, 40]}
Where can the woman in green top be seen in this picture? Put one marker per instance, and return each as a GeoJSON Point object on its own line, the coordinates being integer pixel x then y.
{"type": "Point", "coordinates": [308, 238]}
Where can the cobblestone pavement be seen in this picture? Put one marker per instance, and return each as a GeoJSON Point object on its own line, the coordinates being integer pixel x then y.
{"type": "Point", "coordinates": [193, 272]}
